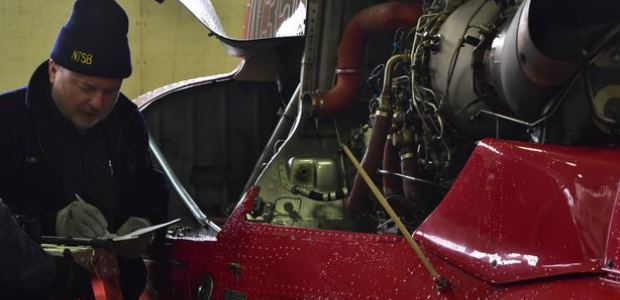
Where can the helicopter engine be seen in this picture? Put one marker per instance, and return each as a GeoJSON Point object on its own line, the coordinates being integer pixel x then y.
{"type": "Point", "coordinates": [476, 69]}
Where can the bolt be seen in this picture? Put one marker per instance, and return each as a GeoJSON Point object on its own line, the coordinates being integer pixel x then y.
{"type": "Point", "coordinates": [609, 263]}
{"type": "Point", "coordinates": [302, 174]}
{"type": "Point", "coordinates": [236, 269]}
{"type": "Point", "coordinates": [442, 284]}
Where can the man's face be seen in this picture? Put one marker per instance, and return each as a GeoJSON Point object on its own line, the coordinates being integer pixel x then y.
{"type": "Point", "coordinates": [83, 100]}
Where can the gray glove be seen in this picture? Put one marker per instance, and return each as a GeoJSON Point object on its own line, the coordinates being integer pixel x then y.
{"type": "Point", "coordinates": [134, 248]}
{"type": "Point", "coordinates": [80, 219]}
{"type": "Point", "coordinates": [133, 224]}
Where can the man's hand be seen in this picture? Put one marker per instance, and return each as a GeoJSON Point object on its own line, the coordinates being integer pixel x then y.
{"type": "Point", "coordinates": [80, 219]}
{"type": "Point", "coordinates": [133, 224]}
{"type": "Point", "coordinates": [134, 248]}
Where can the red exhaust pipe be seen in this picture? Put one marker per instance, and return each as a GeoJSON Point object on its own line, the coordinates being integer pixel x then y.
{"type": "Point", "coordinates": [381, 18]}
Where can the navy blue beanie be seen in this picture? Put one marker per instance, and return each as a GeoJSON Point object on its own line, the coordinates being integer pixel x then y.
{"type": "Point", "coordinates": [94, 40]}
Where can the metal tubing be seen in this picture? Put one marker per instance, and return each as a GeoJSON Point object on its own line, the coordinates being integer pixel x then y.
{"type": "Point", "coordinates": [411, 178]}
{"type": "Point", "coordinates": [282, 129]}
{"type": "Point", "coordinates": [198, 215]}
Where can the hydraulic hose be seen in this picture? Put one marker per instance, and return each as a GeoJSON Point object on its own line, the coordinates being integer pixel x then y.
{"type": "Point", "coordinates": [374, 152]}
{"type": "Point", "coordinates": [391, 162]}
{"type": "Point", "coordinates": [370, 161]}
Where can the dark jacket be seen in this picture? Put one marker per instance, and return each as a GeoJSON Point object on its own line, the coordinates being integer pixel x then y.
{"type": "Point", "coordinates": [22, 262]}
{"type": "Point", "coordinates": [45, 161]}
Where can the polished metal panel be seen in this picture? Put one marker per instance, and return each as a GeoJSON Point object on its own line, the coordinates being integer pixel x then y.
{"type": "Point", "coordinates": [314, 173]}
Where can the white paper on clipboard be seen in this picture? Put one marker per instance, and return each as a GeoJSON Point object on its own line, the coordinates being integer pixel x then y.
{"type": "Point", "coordinates": [145, 230]}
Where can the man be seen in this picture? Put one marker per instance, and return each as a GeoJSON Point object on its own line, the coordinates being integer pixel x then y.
{"type": "Point", "coordinates": [73, 150]}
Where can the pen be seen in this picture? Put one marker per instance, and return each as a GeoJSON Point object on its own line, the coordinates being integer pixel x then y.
{"type": "Point", "coordinates": [111, 168]}
{"type": "Point", "coordinates": [80, 199]}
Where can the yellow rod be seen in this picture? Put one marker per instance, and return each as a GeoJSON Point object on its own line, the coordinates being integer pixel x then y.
{"type": "Point", "coordinates": [427, 264]}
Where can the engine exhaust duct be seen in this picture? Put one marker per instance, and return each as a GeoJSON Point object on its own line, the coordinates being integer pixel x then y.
{"type": "Point", "coordinates": [386, 17]}
{"type": "Point", "coordinates": [524, 76]}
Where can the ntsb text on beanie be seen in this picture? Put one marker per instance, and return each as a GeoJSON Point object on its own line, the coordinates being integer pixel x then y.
{"type": "Point", "coordinates": [94, 40]}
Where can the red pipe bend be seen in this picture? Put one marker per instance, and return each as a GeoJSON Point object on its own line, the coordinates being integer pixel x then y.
{"type": "Point", "coordinates": [381, 18]}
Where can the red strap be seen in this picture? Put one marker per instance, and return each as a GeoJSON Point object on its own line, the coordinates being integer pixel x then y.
{"type": "Point", "coordinates": [107, 288]}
